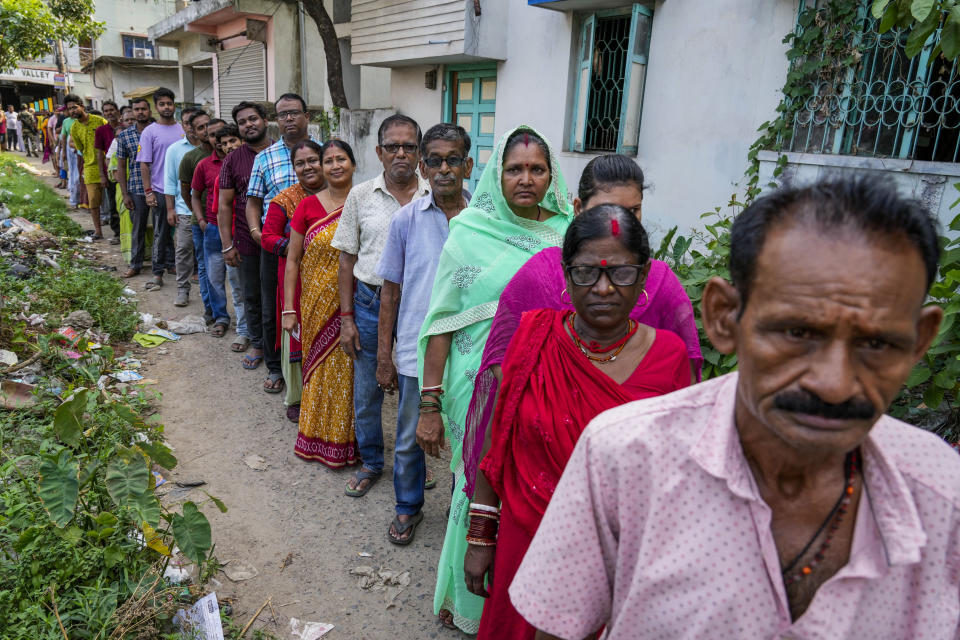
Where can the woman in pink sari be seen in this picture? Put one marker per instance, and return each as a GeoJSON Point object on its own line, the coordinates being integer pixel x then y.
{"type": "Point", "coordinates": [540, 284]}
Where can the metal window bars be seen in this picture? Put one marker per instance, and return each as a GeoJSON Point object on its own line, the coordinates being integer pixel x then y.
{"type": "Point", "coordinates": [885, 105]}
{"type": "Point", "coordinates": [611, 46]}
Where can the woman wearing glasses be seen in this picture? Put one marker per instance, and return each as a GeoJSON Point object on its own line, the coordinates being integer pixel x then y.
{"type": "Point", "coordinates": [562, 368]}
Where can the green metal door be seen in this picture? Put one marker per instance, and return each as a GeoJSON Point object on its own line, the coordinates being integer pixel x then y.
{"type": "Point", "coordinates": [471, 102]}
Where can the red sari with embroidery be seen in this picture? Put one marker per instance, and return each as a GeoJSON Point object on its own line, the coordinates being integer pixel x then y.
{"type": "Point", "coordinates": [550, 392]}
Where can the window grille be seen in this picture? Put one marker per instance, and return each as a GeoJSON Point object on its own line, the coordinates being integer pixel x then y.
{"type": "Point", "coordinates": [886, 106]}
{"type": "Point", "coordinates": [611, 68]}
{"type": "Point", "coordinates": [137, 47]}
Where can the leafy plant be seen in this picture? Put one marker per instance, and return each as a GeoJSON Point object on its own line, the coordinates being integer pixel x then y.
{"type": "Point", "coordinates": [925, 17]}
{"type": "Point", "coordinates": [32, 199]}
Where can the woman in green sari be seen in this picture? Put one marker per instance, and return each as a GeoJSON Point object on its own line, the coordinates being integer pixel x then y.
{"type": "Point", "coordinates": [520, 207]}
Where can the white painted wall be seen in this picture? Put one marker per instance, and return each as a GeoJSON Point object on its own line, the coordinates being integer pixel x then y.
{"type": "Point", "coordinates": [411, 98]}
{"type": "Point", "coordinates": [375, 88]}
{"type": "Point", "coordinates": [715, 72]}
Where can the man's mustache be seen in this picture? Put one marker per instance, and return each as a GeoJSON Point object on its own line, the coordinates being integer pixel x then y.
{"type": "Point", "coordinates": [809, 403]}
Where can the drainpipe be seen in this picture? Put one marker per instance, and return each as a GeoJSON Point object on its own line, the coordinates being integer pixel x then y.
{"type": "Point", "coordinates": [304, 90]}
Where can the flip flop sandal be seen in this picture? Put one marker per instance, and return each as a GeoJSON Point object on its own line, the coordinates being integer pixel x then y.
{"type": "Point", "coordinates": [251, 362]}
{"type": "Point", "coordinates": [241, 344]}
{"type": "Point", "coordinates": [430, 483]}
{"type": "Point", "coordinates": [272, 380]}
{"type": "Point", "coordinates": [156, 283]}
{"type": "Point", "coordinates": [447, 623]}
{"type": "Point", "coordinates": [361, 475]}
{"type": "Point", "coordinates": [218, 330]}
{"type": "Point", "coordinates": [402, 527]}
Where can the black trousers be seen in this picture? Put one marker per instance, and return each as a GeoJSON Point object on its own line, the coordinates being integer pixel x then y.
{"type": "Point", "coordinates": [250, 283]}
{"type": "Point", "coordinates": [139, 219]}
{"type": "Point", "coordinates": [110, 195]}
{"type": "Point", "coordinates": [269, 263]}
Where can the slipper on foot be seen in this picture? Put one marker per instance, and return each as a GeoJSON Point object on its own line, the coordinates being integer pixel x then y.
{"type": "Point", "coordinates": [360, 476]}
{"type": "Point", "coordinates": [241, 344]}
{"type": "Point", "coordinates": [274, 383]}
{"type": "Point", "coordinates": [251, 362]}
{"type": "Point", "coordinates": [401, 528]}
{"type": "Point", "coordinates": [218, 330]}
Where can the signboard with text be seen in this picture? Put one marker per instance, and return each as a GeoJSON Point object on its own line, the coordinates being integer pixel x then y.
{"type": "Point", "coordinates": [38, 76]}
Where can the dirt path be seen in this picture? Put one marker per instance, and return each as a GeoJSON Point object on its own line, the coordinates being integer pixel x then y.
{"type": "Point", "coordinates": [215, 413]}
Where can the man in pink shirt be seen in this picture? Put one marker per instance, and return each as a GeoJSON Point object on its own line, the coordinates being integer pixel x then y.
{"type": "Point", "coordinates": [779, 501]}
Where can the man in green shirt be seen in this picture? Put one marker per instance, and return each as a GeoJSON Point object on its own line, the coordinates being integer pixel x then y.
{"type": "Point", "coordinates": [83, 133]}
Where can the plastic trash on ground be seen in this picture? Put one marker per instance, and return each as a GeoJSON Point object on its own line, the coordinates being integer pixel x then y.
{"type": "Point", "coordinates": [201, 621]}
{"type": "Point", "coordinates": [303, 630]}
{"type": "Point", "coordinates": [188, 325]}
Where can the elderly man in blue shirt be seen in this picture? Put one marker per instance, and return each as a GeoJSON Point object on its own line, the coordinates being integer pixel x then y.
{"type": "Point", "coordinates": [416, 236]}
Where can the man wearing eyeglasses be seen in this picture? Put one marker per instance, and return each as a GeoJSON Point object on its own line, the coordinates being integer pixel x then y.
{"type": "Point", "coordinates": [272, 173]}
{"type": "Point", "coordinates": [360, 237]}
{"type": "Point", "coordinates": [416, 236]}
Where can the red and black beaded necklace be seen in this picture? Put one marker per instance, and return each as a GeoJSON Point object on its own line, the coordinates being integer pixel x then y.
{"type": "Point", "coordinates": [835, 517]}
{"type": "Point", "coordinates": [595, 347]}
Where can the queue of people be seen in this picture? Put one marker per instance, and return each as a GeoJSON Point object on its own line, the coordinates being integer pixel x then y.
{"type": "Point", "coordinates": [598, 486]}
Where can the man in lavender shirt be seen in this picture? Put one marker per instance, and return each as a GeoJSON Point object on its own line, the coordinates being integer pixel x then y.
{"type": "Point", "coordinates": [416, 236]}
{"type": "Point", "coordinates": [153, 148]}
{"type": "Point", "coordinates": [779, 501]}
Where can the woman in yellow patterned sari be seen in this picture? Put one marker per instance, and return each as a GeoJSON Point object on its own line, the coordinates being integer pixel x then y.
{"type": "Point", "coordinates": [326, 408]}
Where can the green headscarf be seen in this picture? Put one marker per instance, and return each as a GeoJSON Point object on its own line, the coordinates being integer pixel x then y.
{"type": "Point", "coordinates": [488, 244]}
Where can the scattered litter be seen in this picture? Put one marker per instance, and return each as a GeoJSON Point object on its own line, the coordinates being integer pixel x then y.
{"type": "Point", "coordinates": [72, 335]}
{"type": "Point", "coordinates": [255, 462]}
{"type": "Point", "coordinates": [159, 479]}
{"type": "Point", "coordinates": [385, 580]}
{"type": "Point", "coordinates": [126, 376]}
{"type": "Point", "coordinates": [188, 325]}
{"type": "Point", "coordinates": [17, 395]}
{"type": "Point", "coordinates": [190, 483]}
{"type": "Point", "coordinates": [129, 362]}
{"type": "Point", "coordinates": [154, 337]}
{"type": "Point", "coordinates": [47, 260]}
{"type": "Point", "coordinates": [365, 554]}
{"type": "Point", "coordinates": [130, 292]}
{"type": "Point", "coordinates": [93, 346]}
{"type": "Point", "coordinates": [308, 630]}
{"type": "Point", "coordinates": [286, 562]}
{"type": "Point", "coordinates": [21, 271]}
{"type": "Point", "coordinates": [35, 318]}
{"type": "Point", "coordinates": [202, 621]}
{"type": "Point", "coordinates": [86, 239]}
{"type": "Point", "coordinates": [79, 319]}
{"type": "Point", "coordinates": [238, 571]}
{"type": "Point", "coordinates": [8, 358]}
{"type": "Point", "coordinates": [73, 355]}
{"type": "Point", "coordinates": [149, 381]}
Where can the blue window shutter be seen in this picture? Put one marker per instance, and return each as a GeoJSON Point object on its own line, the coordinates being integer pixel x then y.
{"type": "Point", "coordinates": [634, 76]}
{"type": "Point", "coordinates": [127, 46]}
{"type": "Point", "coordinates": [581, 97]}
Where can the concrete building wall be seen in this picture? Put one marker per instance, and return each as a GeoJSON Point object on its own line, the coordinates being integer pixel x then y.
{"type": "Point", "coordinates": [130, 17]}
{"type": "Point", "coordinates": [375, 88]}
{"type": "Point", "coordinates": [411, 98]}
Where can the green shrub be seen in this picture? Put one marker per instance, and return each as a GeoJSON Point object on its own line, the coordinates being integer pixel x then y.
{"type": "Point", "coordinates": [30, 198]}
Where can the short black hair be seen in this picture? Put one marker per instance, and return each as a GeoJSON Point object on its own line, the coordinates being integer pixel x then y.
{"type": "Point", "coordinates": [292, 96]}
{"type": "Point", "coordinates": [526, 135]}
{"type": "Point", "coordinates": [256, 106]}
{"type": "Point", "coordinates": [446, 131]}
{"type": "Point", "coordinates": [71, 97]}
{"type": "Point", "coordinates": [214, 121]}
{"type": "Point", "coordinates": [607, 171]}
{"type": "Point", "coordinates": [125, 108]}
{"type": "Point", "coordinates": [306, 144]}
{"type": "Point", "coordinates": [597, 222]}
{"type": "Point", "coordinates": [229, 130]}
{"type": "Point", "coordinates": [398, 119]}
{"type": "Point", "coordinates": [187, 114]}
{"type": "Point", "coordinates": [140, 99]}
{"type": "Point", "coordinates": [340, 144]}
{"type": "Point", "coordinates": [106, 102]}
{"type": "Point", "coordinates": [163, 92]}
{"type": "Point", "coordinates": [863, 204]}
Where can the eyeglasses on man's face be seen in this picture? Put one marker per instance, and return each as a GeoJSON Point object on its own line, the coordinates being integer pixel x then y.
{"type": "Point", "coordinates": [620, 275]}
{"type": "Point", "coordinates": [289, 115]}
{"type": "Point", "coordinates": [408, 148]}
{"type": "Point", "coordinates": [435, 162]}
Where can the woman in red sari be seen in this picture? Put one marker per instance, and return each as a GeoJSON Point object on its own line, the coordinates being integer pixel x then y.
{"type": "Point", "coordinates": [561, 369]}
{"type": "Point", "coordinates": [326, 432]}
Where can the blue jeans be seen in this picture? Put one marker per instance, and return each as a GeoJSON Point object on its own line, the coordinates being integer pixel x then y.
{"type": "Point", "coordinates": [367, 394]}
{"type": "Point", "coordinates": [409, 461]}
{"type": "Point", "coordinates": [236, 290]}
{"type": "Point", "coordinates": [214, 268]}
{"type": "Point", "coordinates": [202, 268]}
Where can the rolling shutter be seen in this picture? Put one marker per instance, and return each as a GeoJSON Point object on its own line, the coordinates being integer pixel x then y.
{"type": "Point", "coordinates": [242, 76]}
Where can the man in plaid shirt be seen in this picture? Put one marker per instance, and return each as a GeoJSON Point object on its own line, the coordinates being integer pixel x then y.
{"type": "Point", "coordinates": [131, 182]}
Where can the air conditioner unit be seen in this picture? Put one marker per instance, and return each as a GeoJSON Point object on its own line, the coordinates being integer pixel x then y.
{"type": "Point", "coordinates": [143, 54]}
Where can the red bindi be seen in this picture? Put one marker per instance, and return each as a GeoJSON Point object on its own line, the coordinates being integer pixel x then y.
{"type": "Point", "coordinates": [526, 139]}
{"type": "Point", "coordinates": [614, 228]}
{"type": "Point", "coordinates": [603, 263]}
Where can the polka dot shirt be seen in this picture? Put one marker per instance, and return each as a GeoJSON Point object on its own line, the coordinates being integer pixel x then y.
{"type": "Point", "coordinates": [657, 530]}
